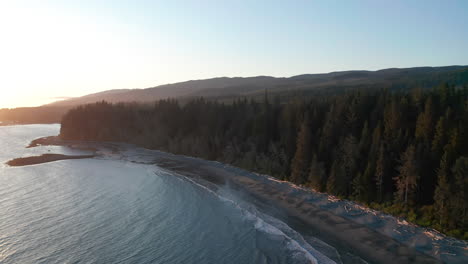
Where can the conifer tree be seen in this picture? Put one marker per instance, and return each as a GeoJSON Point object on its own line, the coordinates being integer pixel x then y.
{"type": "Point", "coordinates": [335, 183]}
{"type": "Point", "coordinates": [392, 116]}
{"type": "Point", "coordinates": [407, 179]}
{"type": "Point", "coordinates": [380, 172]}
{"type": "Point", "coordinates": [300, 162]}
{"type": "Point", "coordinates": [460, 195]}
{"type": "Point", "coordinates": [424, 122]}
{"type": "Point", "coordinates": [442, 192]}
{"type": "Point", "coordinates": [364, 140]}
{"type": "Point", "coordinates": [439, 137]}
{"type": "Point", "coordinates": [376, 140]}
{"type": "Point", "coordinates": [331, 180]}
{"type": "Point", "coordinates": [316, 174]}
{"type": "Point", "coordinates": [358, 137]}
{"type": "Point", "coordinates": [349, 161]}
{"type": "Point", "coordinates": [362, 185]}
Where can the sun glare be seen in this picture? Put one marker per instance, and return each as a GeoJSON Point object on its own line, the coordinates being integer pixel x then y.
{"type": "Point", "coordinates": [46, 54]}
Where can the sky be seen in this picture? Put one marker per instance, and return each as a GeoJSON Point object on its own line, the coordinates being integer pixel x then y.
{"type": "Point", "coordinates": [51, 49]}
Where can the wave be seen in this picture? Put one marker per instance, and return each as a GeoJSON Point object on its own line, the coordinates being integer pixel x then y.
{"type": "Point", "coordinates": [299, 251]}
{"type": "Point", "coordinates": [424, 240]}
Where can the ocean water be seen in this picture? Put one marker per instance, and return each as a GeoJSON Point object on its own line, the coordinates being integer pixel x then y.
{"type": "Point", "coordinates": [115, 211]}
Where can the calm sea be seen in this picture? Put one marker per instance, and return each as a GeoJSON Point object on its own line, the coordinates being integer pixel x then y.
{"type": "Point", "coordinates": [114, 211]}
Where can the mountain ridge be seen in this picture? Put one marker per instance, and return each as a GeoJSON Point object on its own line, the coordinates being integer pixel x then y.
{"type": "Point", "coordinates": [248, 86]}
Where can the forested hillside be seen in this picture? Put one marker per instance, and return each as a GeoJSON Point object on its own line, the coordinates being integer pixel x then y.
{"type": "Point", "coordinates": [228, 89]}
{"type": "Point", "coordinates": [402, 152]}
{"type": "Point", "coordinates": [224, 89]}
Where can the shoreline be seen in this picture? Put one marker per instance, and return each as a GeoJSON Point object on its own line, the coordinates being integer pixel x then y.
{"type": "Point", "coordinates": [316, 216]}
{"type": "Point", "coordinates": [9, 123]}
{"type": "Point", "coordinates": [307, 219]}
{"type": "Point", "coordinates": [44, 158]}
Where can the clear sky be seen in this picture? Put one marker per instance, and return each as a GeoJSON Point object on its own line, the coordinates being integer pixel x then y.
{"type": "Point", "coordinates": [51, 48]}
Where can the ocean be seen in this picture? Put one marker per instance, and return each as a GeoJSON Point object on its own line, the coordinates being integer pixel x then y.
{"type": "Point", "coordinates": [116, 211]}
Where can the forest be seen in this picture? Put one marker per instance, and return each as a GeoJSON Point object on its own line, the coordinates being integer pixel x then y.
{"type": "Point", "coordinates": [402, 152]}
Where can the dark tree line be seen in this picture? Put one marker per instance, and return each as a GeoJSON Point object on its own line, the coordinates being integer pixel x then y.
{"type": "Point", "coordinates": [402, 152]}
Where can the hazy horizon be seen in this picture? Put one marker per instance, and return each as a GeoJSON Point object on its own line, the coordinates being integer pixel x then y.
{"type": "Point", "coordinates": [61, 98]}
{"type": "Point", "coordinates": [56, 49]}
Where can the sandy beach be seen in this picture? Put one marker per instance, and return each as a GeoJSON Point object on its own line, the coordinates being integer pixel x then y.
{"type": "Point", "coordinates": [307, 218]}
{"type": "Point", "coordinates": [358, 234]}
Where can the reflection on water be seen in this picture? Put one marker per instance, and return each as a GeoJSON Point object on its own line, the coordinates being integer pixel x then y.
{"type": "Point", "coordinates": [110, 211]}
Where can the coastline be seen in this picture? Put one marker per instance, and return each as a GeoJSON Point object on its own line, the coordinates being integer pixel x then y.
{"type": "Point", "coordinates": [49, 157]}
{"type": "Point", "coordinates": [311, 214]}
{"type": "Point", "coordinates": [10, 123]}
{"type": "Point", "coordinates": [44, 158]}
{"type": "Point", "coordinates": [307, 218]}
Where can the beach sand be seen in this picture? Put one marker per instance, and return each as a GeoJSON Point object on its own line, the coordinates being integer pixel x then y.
{"type": "Point", "coordinates": [306, 218]}
{"type": "Point", "coordinates": [357, 233]}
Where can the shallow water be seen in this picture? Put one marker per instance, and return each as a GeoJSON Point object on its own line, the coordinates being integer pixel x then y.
{"type": "Point", "coordinates": [114, 211]}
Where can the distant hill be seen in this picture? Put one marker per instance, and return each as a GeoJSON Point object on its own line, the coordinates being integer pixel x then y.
{"type": "Point", "coordinates": [225, 89]}
{"type": "Point", "coordinates": [424, 77]}
{"type": "Point", "coordinates": [33, 115]}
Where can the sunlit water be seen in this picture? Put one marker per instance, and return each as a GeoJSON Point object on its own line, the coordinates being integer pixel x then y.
{"type": "Point", "coordinates": [112, 211]}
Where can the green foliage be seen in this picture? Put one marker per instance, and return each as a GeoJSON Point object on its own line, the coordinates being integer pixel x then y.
{"type": "Point", "coordinates": [407, 179]}
{"type": "Point", "coordinates": [316, 175]}
{"type": "Point", "coordinates": [442, 193]}
{"type": "Point", "coordinates": [424, 122]}
{"type": "Point", "coordinates": [460, 192]}
{"type": "Point", "coordinates": [427, 216]}
{"type": "Point", "coordinates": [300, 162]}
{"type": "Point", "coordinates": [367, 145]}
{"type": "Point", "coordinates": [380, 172]}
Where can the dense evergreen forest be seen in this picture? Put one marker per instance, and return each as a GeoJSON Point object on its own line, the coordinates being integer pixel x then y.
{"type": "Point", "coordinates": [405, 153]}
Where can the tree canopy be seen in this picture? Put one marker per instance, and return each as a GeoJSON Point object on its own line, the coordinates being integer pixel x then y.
{"type": "Point", "coordinates": [403, 152]}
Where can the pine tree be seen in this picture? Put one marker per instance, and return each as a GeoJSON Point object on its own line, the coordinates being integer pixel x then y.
{"type": "Point", "coordinates": [376, 140]}
{"type": "Point", "coordinates": [328, 130]}
{"type": "Point", "coordinates": [452, 148]}
{"type": "Point", "coordinates": [416, 94]}
{"type": "Point", "coordinates": [439, 136]}
{"type": "Point", "coordinates": [407, 179]}
{"type": "Point", "coordinates": [351, 115]}
{"type": "Point", "coordinates": [368, 181]}
{"type": "Point", "coordinates": [424, 122]}
{"type": "Point", "coordinates": [331, 180]}
{"type": "Point", "coordinates": [335, 183]}
{"type": "Point", "coordinates": [364, 140]}
{"type": "Point", "coordinates": [362, 185]}
{"type": "Point", "coordinates": [300, 162]}
{"type": "Point", "coordinates": [288, 127]}
{"type": "Point", "coordinates": [316, 174]}
{"type": "Point", "coordinates": [349, 161]}
{"type": "Point", "coordinates": [443, 93]}
{"type": "Point", "coordinates": [392, 118]}
{"type": "Point", "coordinates": [358, 187]}
{"type": "Point", "coordinates": [460, 195]}
{"type": "Point", "coordinates": [380, 172]}
{"type": "Point", "coordinates": [442, 193]}
{"type": "Point", "coordinates": [348, 132]}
